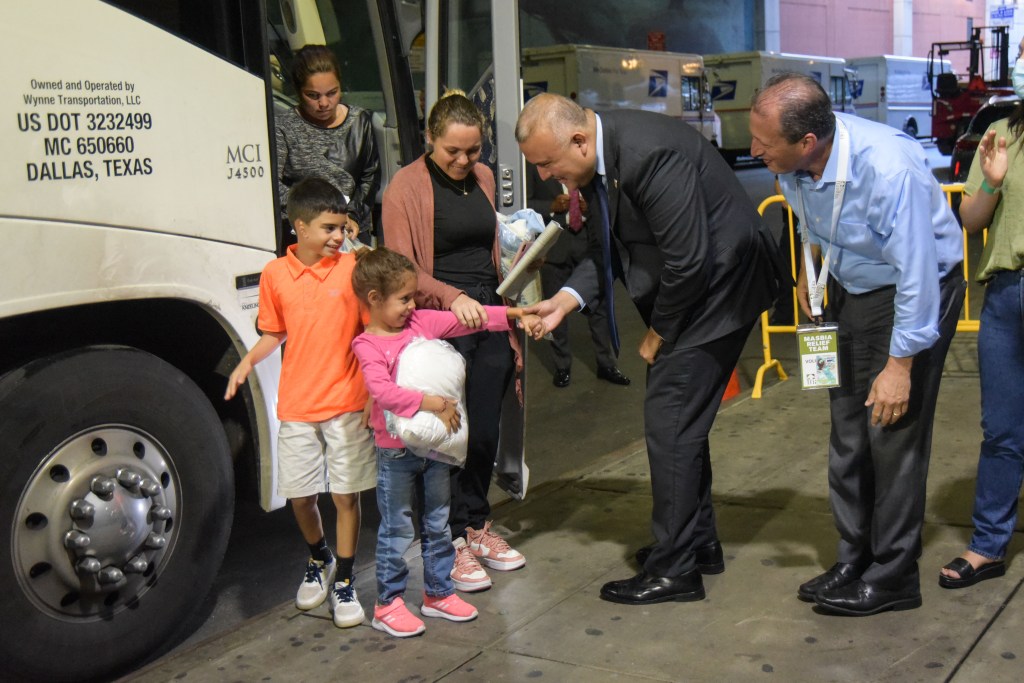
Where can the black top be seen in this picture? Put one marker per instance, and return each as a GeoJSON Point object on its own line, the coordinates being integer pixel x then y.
{"type": "Point", "coordinates": [464, 223]}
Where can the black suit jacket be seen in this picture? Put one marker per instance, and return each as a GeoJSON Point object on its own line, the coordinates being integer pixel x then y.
{"type": "Point", "coordinates": [691, 248]}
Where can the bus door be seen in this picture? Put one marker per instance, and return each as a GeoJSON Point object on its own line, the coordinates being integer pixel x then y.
{"type": "Point", "coordinates": [473, 45]}
{"type": "Point", "coordinates": [372, 42]}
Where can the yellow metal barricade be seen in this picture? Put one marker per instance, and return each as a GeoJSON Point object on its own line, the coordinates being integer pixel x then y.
{"type": "Point", "coordinates": [966, 323]}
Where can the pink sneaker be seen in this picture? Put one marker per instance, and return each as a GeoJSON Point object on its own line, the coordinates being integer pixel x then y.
{"type": "Point", "coordinates": [493, 550]}
{"type": "Point", "coordinates": [397, 620]}
{"type": "Point", "coordinates": [467, 573]}
{"type": "Point", "coordinates": [452, 608]}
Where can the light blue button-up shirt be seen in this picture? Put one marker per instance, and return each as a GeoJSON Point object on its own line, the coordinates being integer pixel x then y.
{"type": "Point", "coordinates": [895, 227]}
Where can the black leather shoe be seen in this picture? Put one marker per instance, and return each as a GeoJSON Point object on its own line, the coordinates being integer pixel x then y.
{"type": "Point", "coordinates": [861, 599]}
{"type": "Point", "coordinates": [838, 576]}
{"type": "Point", "coordinates": [710, 559]}
{"type": "Point", "coordinates": [612, 375]}
{"type": "Point", "coordinates": [645, 589]}
{"type": "Point", "coordinates": [561, 379]}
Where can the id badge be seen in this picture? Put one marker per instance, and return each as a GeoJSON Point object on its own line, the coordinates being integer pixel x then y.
{"type": "Point", "coordinates": [819, 355]}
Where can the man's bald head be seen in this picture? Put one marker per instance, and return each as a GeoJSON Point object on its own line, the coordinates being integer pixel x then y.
{"type": "Point", "coordinates": [555, 114]}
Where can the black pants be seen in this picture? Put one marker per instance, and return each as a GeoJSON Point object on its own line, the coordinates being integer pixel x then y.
{"type": "Point", "coordinates": [877, 475]}
{"type": "Point", "coordinates": [684, 389]}
{"type": "Point", "coordinates": [553, 276]}
{"type": "Point", "coordinates": [489, 368]}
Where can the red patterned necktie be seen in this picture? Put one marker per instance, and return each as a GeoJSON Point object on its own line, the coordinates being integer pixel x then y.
{"type": "Point", "coordinates": [575, 215]}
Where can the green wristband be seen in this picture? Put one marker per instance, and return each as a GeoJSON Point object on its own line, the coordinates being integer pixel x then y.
{"type": "Point", "coordinates": [988, 188]}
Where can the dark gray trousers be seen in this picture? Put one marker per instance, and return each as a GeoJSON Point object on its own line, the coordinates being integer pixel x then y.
{"type": "Point", "coordinates": [877, 475]}
{"type": "Point", "coordinates": [684, 389]}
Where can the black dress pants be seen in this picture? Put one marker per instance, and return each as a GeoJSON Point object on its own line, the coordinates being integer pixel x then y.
{"type": "Point", "coordinates": [489, 367]}
{"type": "Point", "coordinates": [877, 475]}
{"type": "Point", "coordinates": [684, 389]}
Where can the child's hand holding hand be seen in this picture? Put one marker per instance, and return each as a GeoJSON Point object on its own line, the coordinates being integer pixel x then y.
{"type": "Point", "coordinates": [533, 325]}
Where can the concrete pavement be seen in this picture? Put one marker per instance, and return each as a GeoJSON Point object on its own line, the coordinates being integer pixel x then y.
{"type": "Point", "coordinates": [546, 622]}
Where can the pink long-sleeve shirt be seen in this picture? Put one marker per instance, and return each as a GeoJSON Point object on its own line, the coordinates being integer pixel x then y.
{"type": "Point", "coordinates": [378, 357]}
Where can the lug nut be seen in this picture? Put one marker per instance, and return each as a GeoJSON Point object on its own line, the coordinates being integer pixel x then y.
{"type": "Point", "coordinates": [102, 486]}
{"type": "Point", "coordinates": [136, 565]}
{"type": "Point", "coordinates": [160, 512]}
{"type": "Point", "coordinates": [82, 510]}
{"type": "Point", "coordinates": [128, 478]}
{"type": "Point", "coordinates": [109, 575]}
{"type": "Point", "coordinates": [76, 540]}
{"type": "Point", "coordinates": [156, 541]}
{"type": "Point", "coordinates": [149, 488]}
{"type": "Point", "coordinates": [88, 565]}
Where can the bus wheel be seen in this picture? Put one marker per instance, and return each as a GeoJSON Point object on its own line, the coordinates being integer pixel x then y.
{"type": "Point", "coordinates": [116, 500]}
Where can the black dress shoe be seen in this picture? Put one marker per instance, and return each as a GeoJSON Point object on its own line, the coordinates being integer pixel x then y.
{"type": "Point", "coordinates": [710, 559]}
{"type": "Point", "coordinates": [561, 378]}
{"type": "Point", "coordinates": [612, 375]}
{"type": "Point", "coordinates": [861, 599]}
{"type": "Point", "coordinates": [645, 589]}
{"type": "Point", "coordinates": [838, 576]}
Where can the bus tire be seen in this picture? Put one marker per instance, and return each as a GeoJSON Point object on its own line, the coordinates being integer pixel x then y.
{"type": "Point", "coordinates": [116, 501]}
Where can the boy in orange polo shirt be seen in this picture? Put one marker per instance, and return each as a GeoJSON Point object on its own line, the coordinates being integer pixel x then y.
{"type": "Point", "coordinates": [324, 445]}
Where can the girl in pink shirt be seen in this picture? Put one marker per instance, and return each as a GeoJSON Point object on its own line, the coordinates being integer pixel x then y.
{"type": "Point", "coordinates": [385, 281]}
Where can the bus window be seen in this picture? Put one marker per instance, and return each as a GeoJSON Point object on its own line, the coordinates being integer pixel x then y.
{"type": "Point", "coordinates": [350, 36]}
{"type": "Point", "coordinates": [202, 22]}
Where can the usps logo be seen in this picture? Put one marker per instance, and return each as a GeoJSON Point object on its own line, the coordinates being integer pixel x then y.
{"type": "Point", "coordinates": [858, 89]}
{"type": "Point", "coordinates": [657, 86]}
{"type": "Point", "coordinates": [723, 91]}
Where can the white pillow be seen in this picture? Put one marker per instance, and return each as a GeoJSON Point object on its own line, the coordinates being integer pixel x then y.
{"type": "Point", "coordinates": [432, 366]}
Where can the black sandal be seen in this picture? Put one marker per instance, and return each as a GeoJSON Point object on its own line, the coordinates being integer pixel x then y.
{"type": "Point", "coordinates": [969, 575]}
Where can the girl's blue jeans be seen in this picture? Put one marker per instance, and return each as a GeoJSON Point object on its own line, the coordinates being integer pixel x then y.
{"type": "Point", "coordinates": [1001, 366]}
{"type": "Point", "coordinates": [401, 478]}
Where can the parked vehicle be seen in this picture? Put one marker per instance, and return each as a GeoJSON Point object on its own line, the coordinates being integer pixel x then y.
{"type": "Point", "coordinates": [735, 76]}
{"type": "Point", "coordinates": [997, 107]}
{"type": "Point", "coordinates": [894, 91]}
{"type": "Point", "coordinates": [670, 83]}
{"type": "Point", "coordinates": [956, 97]}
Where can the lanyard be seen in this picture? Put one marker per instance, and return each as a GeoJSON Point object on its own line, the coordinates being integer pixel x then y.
{"type": "Point", "coordinates": [816, 287]}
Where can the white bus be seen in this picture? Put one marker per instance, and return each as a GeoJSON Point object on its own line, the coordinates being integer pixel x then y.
{"type": "Point", "coordinates": [138, 210]}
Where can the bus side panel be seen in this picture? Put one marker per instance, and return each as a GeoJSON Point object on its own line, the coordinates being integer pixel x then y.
{"type": "Point", "coordinates": [136, 125]}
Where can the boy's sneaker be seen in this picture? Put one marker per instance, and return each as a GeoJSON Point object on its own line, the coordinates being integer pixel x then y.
{"type": "Point", "coordinates": [345, 605]}
{"type": "Point", "coordinates": [467, 573]}
{"type": "Point", "coordinates": [316, 585]}
{"type": "Point", "coordinates": [397, 620]}
{"type": "Point", "coordinates": [452, 608]}
{"type": "Point", "coordinates": [493, 550]}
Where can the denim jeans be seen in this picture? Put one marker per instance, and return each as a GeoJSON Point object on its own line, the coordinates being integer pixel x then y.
{"type": "Point", "coordinates": [1001, 366]}
{"type": "Point", "coordinates": [401, 475]}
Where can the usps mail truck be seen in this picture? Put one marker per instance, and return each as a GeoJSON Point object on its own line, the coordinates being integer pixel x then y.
{"type": "Point", "coordinates": [670, 83]}
{"type": "Point", "coordinates": [895, 91]}
{"type": "Point", "coordinates": [735, 77]}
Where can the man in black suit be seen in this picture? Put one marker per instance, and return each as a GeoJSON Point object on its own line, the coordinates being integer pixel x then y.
{"type": "Point", "coordinates": [699, 266]}
{"type": "Point", "coordinates": [549, 199]}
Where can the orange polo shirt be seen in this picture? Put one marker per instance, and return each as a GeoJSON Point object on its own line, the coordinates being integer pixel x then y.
{"type": "Point", "coordinates": [318, 310]}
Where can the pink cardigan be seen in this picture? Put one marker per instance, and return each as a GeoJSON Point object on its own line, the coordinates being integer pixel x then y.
{"type": "Point", "coordinates": [408, 221]}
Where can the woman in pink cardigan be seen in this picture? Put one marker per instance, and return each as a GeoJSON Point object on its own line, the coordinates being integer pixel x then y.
{"type": "Point", "coordinates": [439, 212]}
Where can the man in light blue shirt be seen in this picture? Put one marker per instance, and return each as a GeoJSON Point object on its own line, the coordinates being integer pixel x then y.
{"type": "Point", "coordinates": [895, 289]}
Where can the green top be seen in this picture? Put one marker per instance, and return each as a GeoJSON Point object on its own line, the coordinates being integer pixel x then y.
{"type": "Point", "coordinates": [1004, 249]}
